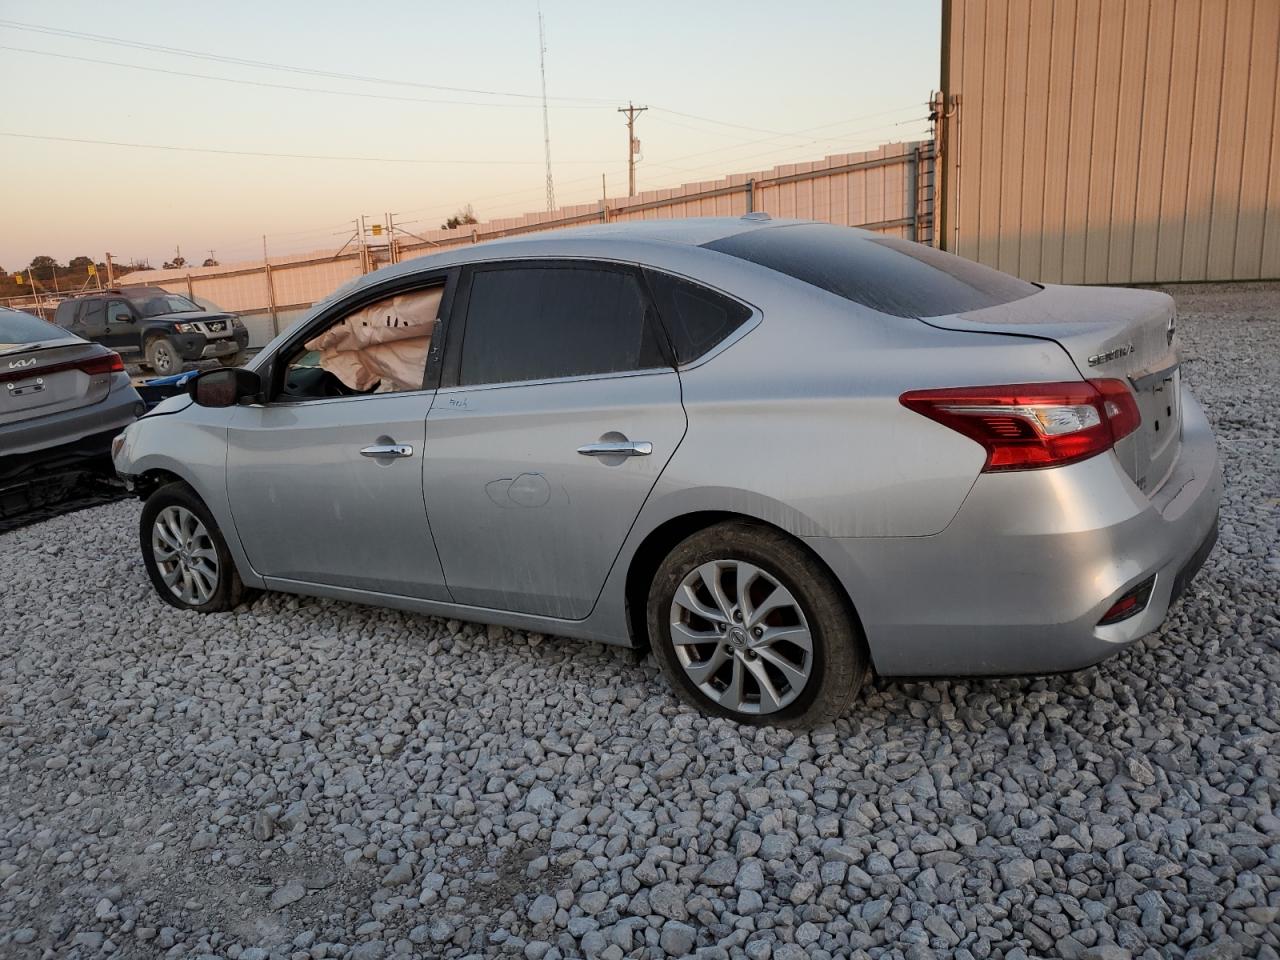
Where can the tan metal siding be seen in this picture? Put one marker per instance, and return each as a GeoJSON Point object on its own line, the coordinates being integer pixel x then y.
{"type": "Point", "coordinates": [1113, 141]}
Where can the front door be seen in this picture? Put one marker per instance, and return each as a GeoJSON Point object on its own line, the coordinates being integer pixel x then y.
{"type": "Point", "coordinates": [121, 329]}
{"type": "Point", "coordinates": [325, 479]}
{"type": "Point", "coordinates": [564, 411]}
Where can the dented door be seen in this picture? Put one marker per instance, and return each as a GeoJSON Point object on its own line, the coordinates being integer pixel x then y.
{"type": "Point", "coordinates": [525, 522]}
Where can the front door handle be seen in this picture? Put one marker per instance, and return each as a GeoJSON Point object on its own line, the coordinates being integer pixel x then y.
{"type": "Point", "coordinates": [388, 450]}
{"type": "Point", "coordinates": [617, 448]}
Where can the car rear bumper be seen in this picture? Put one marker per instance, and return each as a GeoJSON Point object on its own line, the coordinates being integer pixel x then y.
{"type": "Point", "coordinates": [1020, 579]}
{"type": "Point", "coordinates": [62, 439]}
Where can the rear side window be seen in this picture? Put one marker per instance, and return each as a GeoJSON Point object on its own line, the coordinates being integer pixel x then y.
{"type": "Point", "coordinates": [887, 274]}
{"type": "Point", "coordinates": [541, 323]}
{"type": "Point", "coordinates": [696, 318]}
{"type": "Point", "coordinates": [65, 315]}
{"type": "Point", "coordinates": [93, 314]}
{"type": "Point", "coordinates": [17, 327]}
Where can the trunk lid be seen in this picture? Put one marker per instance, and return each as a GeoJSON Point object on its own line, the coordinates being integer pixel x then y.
{"type": "Point", "coordinates": [43, 378]}
{"type": "Point", "coordinates": [1108, 333]}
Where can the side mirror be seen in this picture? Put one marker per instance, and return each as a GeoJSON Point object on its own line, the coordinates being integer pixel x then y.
{"type": "Point", "coordinates": [224, 388]}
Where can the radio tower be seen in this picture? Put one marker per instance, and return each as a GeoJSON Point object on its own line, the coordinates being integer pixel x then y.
{"type": "Point", "coordinates": [546, 123]}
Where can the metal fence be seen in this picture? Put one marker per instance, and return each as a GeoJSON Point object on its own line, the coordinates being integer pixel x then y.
{"type": "Point", "coordinates": [889, 190]}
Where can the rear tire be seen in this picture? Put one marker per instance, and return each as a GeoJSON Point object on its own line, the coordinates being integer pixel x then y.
{"type": "Point", "coordinates": [163, 357]}
{"type": "Point", "coordinates": [185, 553]}
{"type": "Point", "coordinates": [745, 651]}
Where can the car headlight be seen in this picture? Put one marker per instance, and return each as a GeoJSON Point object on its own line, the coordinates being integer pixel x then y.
{"type": "Point", "coordinates": [184, 327]}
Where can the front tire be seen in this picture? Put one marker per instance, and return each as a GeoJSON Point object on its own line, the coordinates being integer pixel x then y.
{"type": "Point", "coordinates": [748, 625]}
{"type": "Point", "coordinates": [163, 357]}
{"type": "Point", "coordinates": [185, 553]}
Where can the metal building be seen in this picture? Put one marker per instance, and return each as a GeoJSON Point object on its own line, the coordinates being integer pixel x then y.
{"type": "Point", "coordinates": [1112, 141]}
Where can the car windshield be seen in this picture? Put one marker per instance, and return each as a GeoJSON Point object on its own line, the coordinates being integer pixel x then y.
{"type": "Point", "coordinates": [18, 328]}
{"type": "Point", "coordinates": [888, 274]}
{"type": "Point", "coordinates": [164, 303]}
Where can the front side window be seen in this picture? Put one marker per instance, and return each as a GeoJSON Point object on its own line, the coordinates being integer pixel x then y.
{"type": "Point", "coordinates": [551, 322]}
{"type": "Point", "coordinates": [118, 312]}
{"type": "Point", "coordinates": [378, 348]}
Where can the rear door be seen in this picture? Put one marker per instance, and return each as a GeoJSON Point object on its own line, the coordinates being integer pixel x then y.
{"type": "Point", "coordinates": [91, 320]}
{"type": "Point", "coordinates": [560, 411]}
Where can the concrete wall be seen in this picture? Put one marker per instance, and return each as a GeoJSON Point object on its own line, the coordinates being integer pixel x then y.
{"type": "Point", "coordinates": [889, 190]}
{"type": "Point", "coordinates": [1113, 141]}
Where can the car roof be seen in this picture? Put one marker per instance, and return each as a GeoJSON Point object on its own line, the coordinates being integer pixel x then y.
{"type": "Point", "coordinates": [624, 241]}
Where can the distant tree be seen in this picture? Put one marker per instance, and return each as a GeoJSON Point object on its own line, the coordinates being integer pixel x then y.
{"type": "Point", "coordinates": [463, 216]}
{"type": "Point", "coordinates": [44, 268]}
{"type": "Point", "coordinates": [177, 263]}
{"type": "Point", "coordinates": [210, 262]}
{"type": "Point", "coordinates": [80, 264]}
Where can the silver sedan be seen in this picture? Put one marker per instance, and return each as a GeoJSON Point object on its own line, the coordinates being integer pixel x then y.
{"type": "Point", "coordinates": [778, 454]}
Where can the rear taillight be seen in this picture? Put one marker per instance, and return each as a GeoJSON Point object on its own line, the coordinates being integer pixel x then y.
{"type": "Point", "coordinates": [1024, 426]}
{"type": "Point", "coordinates": [95, 366]}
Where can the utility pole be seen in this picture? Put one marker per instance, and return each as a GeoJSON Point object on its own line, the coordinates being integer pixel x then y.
{"type": "Point", "coordinates": [111, 272]}
{"type": "Point", "coordinates": [392, 253]}
{"type": "Point", "coordinates": [633, 145]}
{"type": "Point", "coordinates": [364, 256]}
{"type": "Point", "coordinates": [271, 287]}
{"type": "Point", "coordinates": [546, 123]}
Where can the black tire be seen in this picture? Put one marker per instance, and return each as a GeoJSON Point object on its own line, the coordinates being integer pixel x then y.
{"type": "Point", "coordinates": [839, 659]}
{"type": "Point", "coordinates": [234, 360]}
{"type": "Point", "coordinates": [163, 357]}
{"type": "Point", "coordinates": [229, 591]}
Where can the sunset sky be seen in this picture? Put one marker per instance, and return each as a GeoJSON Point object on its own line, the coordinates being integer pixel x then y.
{"type": "Point", "coordinates": [731, 86]}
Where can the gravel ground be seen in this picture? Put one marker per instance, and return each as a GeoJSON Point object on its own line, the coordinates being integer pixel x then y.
{"type": "Point", "coordinates": [314, 779]}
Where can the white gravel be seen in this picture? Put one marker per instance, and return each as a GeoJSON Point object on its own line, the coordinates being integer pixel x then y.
{"type": "Point", "coordinates": [311, 779]}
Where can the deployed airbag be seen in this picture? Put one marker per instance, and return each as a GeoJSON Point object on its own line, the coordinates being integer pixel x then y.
{"type": "Point", "coordinates": [383, 345]}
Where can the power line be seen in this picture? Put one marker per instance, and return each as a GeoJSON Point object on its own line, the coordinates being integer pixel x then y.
{"type": "Point", "coordinates": [268, 65]}
{"type": "Point", "coordinates": [281, 156]}
{"type": "Point", "coordinates": [849, 137]}
{"type": "Point", "coordinates": [290, 87]}
{"type": "Point", "coordinates": [762, 153]}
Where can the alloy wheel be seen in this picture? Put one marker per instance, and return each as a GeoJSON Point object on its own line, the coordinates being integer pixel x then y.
{"type": "Point", "coordinates": [185, 555]}
{"type": "Point", "coordinates": [741, 637]}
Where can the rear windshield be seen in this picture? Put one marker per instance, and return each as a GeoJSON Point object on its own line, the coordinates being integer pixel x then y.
{"type": "Point", "coordinates": [887, 274]}
{"type": "Point", "coordinates": [157, 305]}
{"type": "Point", "coordinates": [17, 327]}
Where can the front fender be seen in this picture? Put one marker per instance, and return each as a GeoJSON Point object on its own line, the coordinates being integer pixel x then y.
{"type": "Point", "coordinates": [190, 443]}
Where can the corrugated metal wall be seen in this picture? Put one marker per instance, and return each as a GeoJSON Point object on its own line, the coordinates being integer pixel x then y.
{"type": "Point", "coordinates": [1113, 141]}
{"type": "Point", "coordinates": [889, 190]}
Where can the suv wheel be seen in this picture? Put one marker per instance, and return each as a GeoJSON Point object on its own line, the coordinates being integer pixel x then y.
{"type": "Point", "coordinates": [185, 554]}
{"type": "Point", "coordinates": [747, 625]}
{"type": "Point", "coordinates": [163, 357]}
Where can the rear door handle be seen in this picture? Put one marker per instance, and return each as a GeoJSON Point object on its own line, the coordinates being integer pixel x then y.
{"type": "Point", "coordinates": [617, 448]}
{"type": "Point", "coordinates": [387, 450]}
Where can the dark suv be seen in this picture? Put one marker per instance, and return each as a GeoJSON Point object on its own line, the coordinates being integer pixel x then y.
{"type": "Point", "coordinates": [151, 324]}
